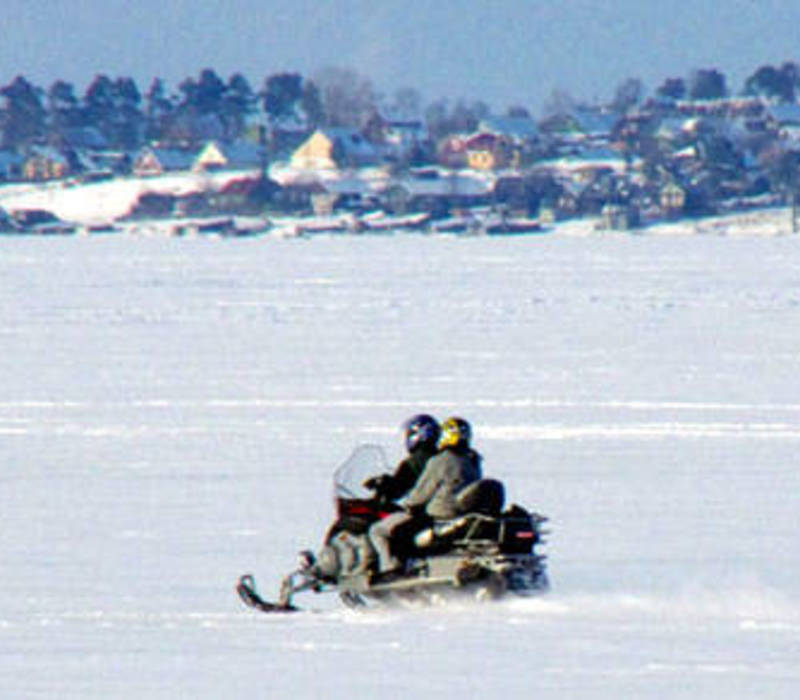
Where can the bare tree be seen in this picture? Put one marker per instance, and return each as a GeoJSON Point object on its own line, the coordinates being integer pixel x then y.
{"type": "Point", "coordinates": [348, 98]}
{"type": "Point", "coordinates": [628, 94]}
{"type": "Point", "coordinates": [405, 104]}
{"type": "Point", "coordinates": [559, 103]}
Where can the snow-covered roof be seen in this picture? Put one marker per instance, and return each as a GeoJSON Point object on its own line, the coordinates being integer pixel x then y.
{"type": "Point", "coordinates": [592, 121]}
{"type": "Point", "coordinates": [404, 133]}
{"type": "Point", "coordinates": [590, 159]}
{"type": "Point", "coordinates": [520, 128]}
{"type": "Point", "coordinates": [433, 182]}
{"type": "Point", "coordinates": [242, 154]}
{"type": "Point", "coordinates": [47, 153]}
{"type": "Point", "coordinates": [670, 127]}
{"type": "Point", "coordinates": [351, 141]}
{"type": "Point", "coordinates": [173, 158]}
{"type": "Point", "coordinates": [790, 134]}
{"type": "Point", "coordinates": [462, 183]}
{"type": "Point", "coordinates": [289, 122]}
{"type": "Point", "coordinates": [785, 113]}
{"type": "Point", "coordinates": [85, 137]}
{"type": "Point", "coordinates": [689, 152]}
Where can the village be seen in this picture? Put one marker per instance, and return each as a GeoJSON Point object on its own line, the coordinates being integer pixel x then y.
{"type": "Point", "coordinates": [623, 166]}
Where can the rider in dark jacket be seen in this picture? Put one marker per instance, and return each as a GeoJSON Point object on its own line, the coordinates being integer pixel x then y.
{"type": "Point", "coordinates": [434, 497]}
{"type": "Point", "coordinates": [421, 437]}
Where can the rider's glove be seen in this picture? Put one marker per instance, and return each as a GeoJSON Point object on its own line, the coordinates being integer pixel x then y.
{"type": "Point", "coordinates": [375, 483]}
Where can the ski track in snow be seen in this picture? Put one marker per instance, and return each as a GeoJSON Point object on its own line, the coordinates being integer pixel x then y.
{"type": "Point", "coordinates": [171, 412]}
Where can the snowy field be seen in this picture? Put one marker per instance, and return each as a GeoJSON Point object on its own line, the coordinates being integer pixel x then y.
{"type": "Point", "coordinates": [171, 412]}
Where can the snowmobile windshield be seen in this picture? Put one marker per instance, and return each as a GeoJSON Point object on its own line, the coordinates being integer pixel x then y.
{"type": "Point", "coordinates": [348, 479]}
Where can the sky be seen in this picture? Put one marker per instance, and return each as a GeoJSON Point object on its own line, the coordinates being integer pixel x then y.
{"type": "Point", "coordinates": [505, 52]}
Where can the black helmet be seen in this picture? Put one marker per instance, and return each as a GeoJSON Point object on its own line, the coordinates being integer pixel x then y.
{"type": "Point", "coordinates": [421, 429]}
{"type": "Point", "coordinates": [455, 432]}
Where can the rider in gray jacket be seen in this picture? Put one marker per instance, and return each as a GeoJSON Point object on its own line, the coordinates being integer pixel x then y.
{"type": "Point", "coordinates": [445, 475]}
{"type": "Point", "coordinates": [434, 496]}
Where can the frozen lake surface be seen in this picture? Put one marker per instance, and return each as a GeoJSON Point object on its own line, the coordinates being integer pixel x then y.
{"type": "Point", "coordinates": [171, 412]}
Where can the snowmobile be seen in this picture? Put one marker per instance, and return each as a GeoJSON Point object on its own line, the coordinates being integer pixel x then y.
{"type": "Point", "coordinates": [487, 551]}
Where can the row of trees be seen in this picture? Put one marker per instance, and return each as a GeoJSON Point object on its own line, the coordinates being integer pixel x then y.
{"type": "Point", "coordinates": [201, 108]}
{"type": "Point", "coordinates": [773, 82]}
{"type": "Point", "coordinates": [210, 107]}
{"type": "Point", "coordinates": [780, 83]}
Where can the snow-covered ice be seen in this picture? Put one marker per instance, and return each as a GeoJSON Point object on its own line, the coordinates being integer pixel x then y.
{"type": "Point", "coordinates": [171, 412]}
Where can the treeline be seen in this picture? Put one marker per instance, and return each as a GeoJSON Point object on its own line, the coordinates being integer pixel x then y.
{"type": "Point", "coordinates": [118, 115]}
{"type": "Point", "coordinates": [207, 107]}
{"type": "Point", "coordinates": [123, 117]}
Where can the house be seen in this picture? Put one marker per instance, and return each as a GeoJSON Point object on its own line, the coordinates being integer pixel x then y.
{"type": "Point", "coordinates": [499, 142]}
{"type": "Point", "coordinates": [585, 166]}
{"type": "Point", "coordinates": [595, 124]}
{"type": "Point", "coordinates": [45, 163]}
{"type": "Point", "coordinates": [783, 114]}
{"type": "Point", "coordinates": [437, 191]}
{"type": "Point", "coordinates": [401, 139]}
{"type": "Point", "coordinates": [333, 149]}
{"type": "Point", "coordinates": [100, 165]}
{"type": "Point", "coordinates": [560, 206]}
{"type": "Point", "coordinates": [404, 137]}
{"type": "Point", "coordinates": [784, 121]}
{"type": "Point", "coordinates": [519, 131]}
{"type": "Point", "coordinates": [512, 191]}
{"type": "Point", "coordinates": [619, 217]}
{"type": "Point", "coordinates": [283, 142]}
{"type": "Point", "coordinates": [482, 150]}
{"type": "Point", "coordinates": [210, 157]}
{"type": "Point", "coordinates": [282, 136]}
{"type": "Point", "coordinates": [246, 196]}
{"type": "Point", "coordinates": [676, 130]}
{"type": "Point", "coordinates": [157, 161]}
{"type": "Point", "coordinates": [488, 151]}
{"type": "Point", "coordinates": [592, 126]}
{"type": "Point", "coordinates": [301, 196]}
{"type": "Point", "coordinates": [10, 165]}
{"type": "Point", "coordinates": [241, 155]}
{"type": "Point", "coordinates": [672, 200]}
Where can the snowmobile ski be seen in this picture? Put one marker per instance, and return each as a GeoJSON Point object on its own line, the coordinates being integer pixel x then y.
{"type": "Point", "coordinates": [246, 588]}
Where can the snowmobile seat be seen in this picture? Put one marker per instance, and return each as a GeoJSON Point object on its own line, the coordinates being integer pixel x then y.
{"type": "Point", "coordinates": [485, 496]}
{"type": "Point", "coordinates": [478, 505]}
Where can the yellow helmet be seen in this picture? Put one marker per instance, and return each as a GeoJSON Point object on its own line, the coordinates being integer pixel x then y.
{"type": "Point", "coordinates": [455, 432]}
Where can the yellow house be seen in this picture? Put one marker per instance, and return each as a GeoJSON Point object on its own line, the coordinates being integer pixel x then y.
{"type": "Point", "coordinates": [210, 158]}
{"type": "Point", "coordinates": [481, 160]}
{"type": "Point", "coordinates": [242, 155]}
{"type": "Point", "coordinates": [330, 149]}
{"type": "Point", "coordinates": [157, 161]}
{"type": "Point", "coordinates": [491, 160]}
{"type": "Point", "coordinates": [487, 151]}
{"type": "Point", "coordinates": [316, 153]}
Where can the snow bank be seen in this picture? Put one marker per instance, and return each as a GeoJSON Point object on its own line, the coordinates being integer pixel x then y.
{"type": "Point", "coordinates": [772, 221]}
{"type": "Point", "coordinates": [104, 202]}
